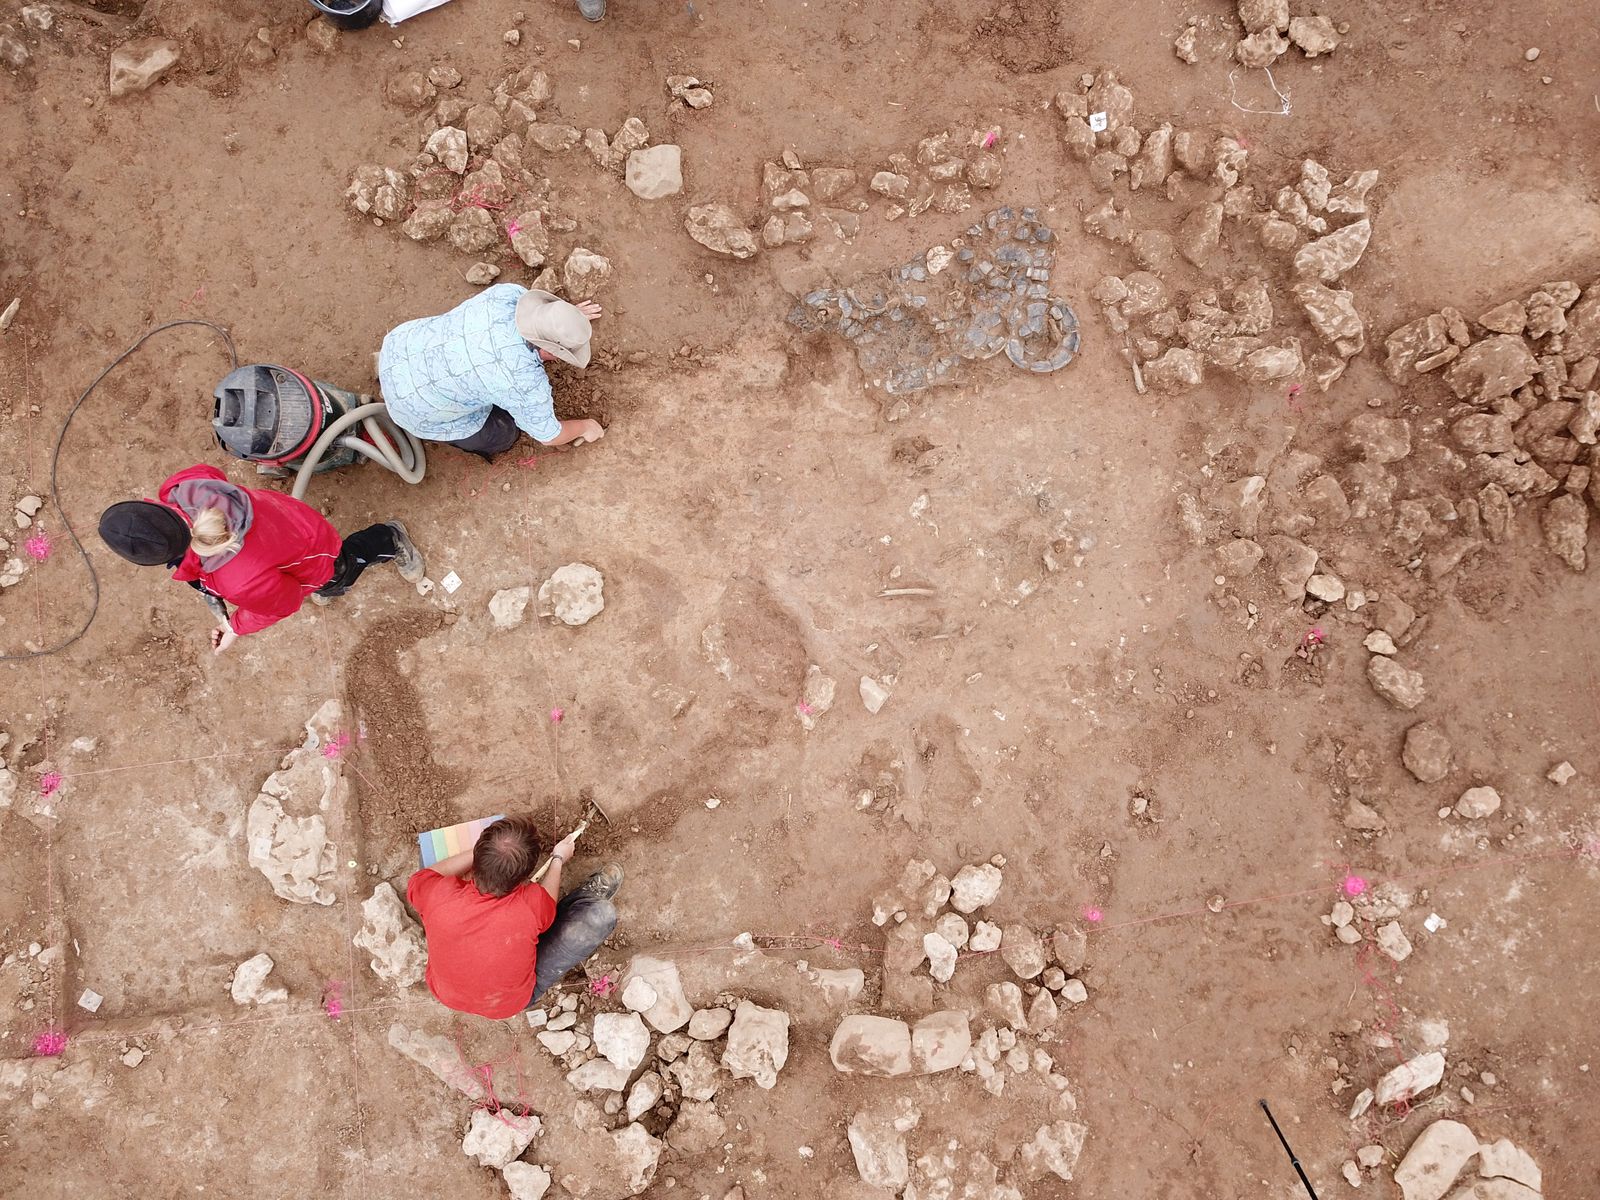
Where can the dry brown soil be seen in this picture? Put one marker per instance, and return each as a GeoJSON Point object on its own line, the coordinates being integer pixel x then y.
{"type": "Point", "coordinates": [764, 488]}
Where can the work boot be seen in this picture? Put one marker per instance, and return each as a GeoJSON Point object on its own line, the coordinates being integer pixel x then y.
{"type": "Point", "coordinates": [407, 557]}
{"type": "Point", "coordinates": [319, 599]}
{"type": "Point", "coordinates": [592, 10]}
{"type": "Point", "coordinates": [603, 884]}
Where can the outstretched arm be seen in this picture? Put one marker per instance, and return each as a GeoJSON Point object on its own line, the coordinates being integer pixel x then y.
{"type": "Point", "coordinates": [455, 865]}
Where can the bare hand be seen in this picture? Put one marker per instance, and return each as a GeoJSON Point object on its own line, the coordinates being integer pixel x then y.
{"type": "Point", "coordinates": [593, 431]}
{"type": "Point", "coordinates": [591, 310]}
{"type": "Point", "coordinates": [222, 637]}
{"type": "Point", "coordinates": [566, 847]}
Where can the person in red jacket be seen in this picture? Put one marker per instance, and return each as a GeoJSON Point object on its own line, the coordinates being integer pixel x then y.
{"type": "Point", "coordinates": [261, 551]}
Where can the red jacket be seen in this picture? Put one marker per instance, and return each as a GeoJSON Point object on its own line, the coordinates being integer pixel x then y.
{"type": "Point", "coordinates": [288, 553]}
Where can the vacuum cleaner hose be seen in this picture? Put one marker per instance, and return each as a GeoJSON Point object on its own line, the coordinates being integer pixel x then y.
{"type": "Point", "coordinates": [385, 444]}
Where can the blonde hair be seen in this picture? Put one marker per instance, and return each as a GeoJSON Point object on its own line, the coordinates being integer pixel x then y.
{"type": "Point", "coordinates": [209, 533]}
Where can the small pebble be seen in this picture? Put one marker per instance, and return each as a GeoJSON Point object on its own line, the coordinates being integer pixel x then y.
{"type": "Point", "coordinates": [1531, 53]}
{"type": "Point", "coordinates": [512, 37]}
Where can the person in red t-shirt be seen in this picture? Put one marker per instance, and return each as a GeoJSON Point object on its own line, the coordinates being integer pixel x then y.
{"type": "Point", "coordinates": [263, 551]}
{"type": "Point", "coordinates": [496, 941]}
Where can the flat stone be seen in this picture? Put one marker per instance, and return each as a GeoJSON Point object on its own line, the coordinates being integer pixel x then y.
{"type": "Point", "coordinates": [638, 995]}
{"type": "Point", "coordinates": [645, 1093]}
{"type": "Point", "coordinates": [1411, 1078]}
{"type": "Point", "coordinates": [708, 1024]}
{"type": "Point", "coordinates": [1200, 233]}
{"type": "Point", "coordinates": [655, 172]}
{"type": "Point", "coordinates": [599, 1075]}
{"type": "Point", "coordinates": [1392, 941]}
{"type": "Point", "coordinates": [873, 694]}
{"type": "Point", "coordinates": [137, 64]}
{"type": "Point", "coordinates": [758, 1044]}
{"type": "Point", "coordinates": [1561, 773]}
{"type": "Point", "coordinates": [1565, 522]}
{"type": "Point", "coordinates": [1434, 1160]}
{"type": "Point", "coordinates": [985, 939]}
{"type": "Point", "coordinates": [1054, 1150]}
{"type": "Point", "coordinates": [1494, 367]}
{"type": "Point", "coordinates": [878, 1144]}
{"type": "Point", "coordinates": [672, 1010]}
{"type": "Point", "coordinates": [1502, 1160]}
{"type": "Point", "coordinates": [940, 1042]}
{"type": "Point", "coordinates": [573, 595]}
{"type": "Point", "coordinates": [841, 986]}
{"type": "Point", "coordinates": [719, 229]}
{"type": "Point", "coordinates": [870, 1045]}
{"type": "Point", "coordinates": [1325, 587]}
{"type": "Point", "coordinates": [697, 1128]}
{"type": "Point", "coordinates": [1293, 564]}
{"type": "Point", "coordinates": [1331, 256]}
{"type": "Point", "coordinates": [621, 1038]}
{"type": "Point", "coordinates": [941, 957]}
{"type": "Point", "coordinates": [1399, 685]}
{"type": "Point", "coordinates": [496, 1139]}
{"type": "Point", "coordinates": [507, 606]}
{"type": "Point", "coordinates": [440, 1055]}
{"type": "Point", "coordinates": [1477, 803]}
{"type": "Point", "coordinates": [975, 887]}
{"type": "Point", "coordinates": [248, 985]}
{"type": "Point", "coordinates": [392, 938]}
{"type": "Point", "coordinates": [1314, 35]}
{"type": "Point", "coordinates": [1427, 753]}
{"type": "Point", "coordinates": [1510, 317]}
{"type": "Point", "coordinates": [1003, 1002]}
{"type": "Point", "coordinates": [1379, 439]}
{"type": "Point", "coordinates": [1023, 951]}
{"type": "Point", "coordinates": [525, 1181]}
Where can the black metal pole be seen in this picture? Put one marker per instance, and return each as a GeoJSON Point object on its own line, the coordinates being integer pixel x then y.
{"type": "Point", "coordinates": [1289, 1150]}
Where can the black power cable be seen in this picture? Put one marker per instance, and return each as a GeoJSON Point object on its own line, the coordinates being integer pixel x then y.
{"type": "Point", "coordinates": [55, 490]}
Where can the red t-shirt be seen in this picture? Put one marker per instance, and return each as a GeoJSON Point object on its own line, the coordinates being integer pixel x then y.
{"type": "Point", "coordinates": [481, 949]}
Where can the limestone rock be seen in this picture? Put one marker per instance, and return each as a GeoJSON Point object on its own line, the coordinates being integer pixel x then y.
{"type": "Point", "coordinates": [646, 1091]}
{"type": "Point", "coordinates": [672, 1010]}
{"type": "Point", "coordinates": [380, 192]}
{"type": "Point", "coordinates": [1398, 685]}
{"type": "Point", "coordinates": [1333, 314]}
{"type": "Point", "coordinates": [1238, 557]}
{"type": "Point", "coordinates": [137, 64]}
{"type": "Point", "coordinates": [1477, 803]}
{"type": "Point", "coordinates": [1178, 370]}
{"type": "Point", "coordinates": [690, 90]}
{"type": "Point", "coordinates": [392, 938]}
{"type": "Point", "coordinates": [1427, 753]}
{"type": "Point", "coordinates": [869, 1045]}
{"type": "Point", "coordinates": [439, 1055]}
{"type": "Point", "coordinates": [975, 887]}
{"type": "Point", "coordinates": [472, 230]}
{"type": "Point", "coordinates": [1257, 15]}
{"type": "Point", "coordinates": [708, 1024]}
{"type": "Point", "coordinates": [249, 982]}
{"type": "Point", "coordinates": [1379, 439]}
{"type": "Point", "coordinates": [1329, 588]}
{"type": "Point", "coordinates": [1565, 521]}
{"type": "Point", "coordinates": [1054, 1150]}
{"type": "Point", "coordinates": [1502, 1160]}
{"type": "Point", "coordinates": [525, 1181]}
{"type": "Point", "coordinates": [573, 596]}
{"type": "Point", "coordinates": [1260, 49]}
{"type": "Point", "coordinates": [718, 229]}
{"type": "Point", "coordinates": [448, 144]}
{"type": "Point", "coordinates": [1293, 563]}
{"type": "Point", "coordinates": [697, 1128]}
{"type": "Point", "coordinates": [1434, 1160]}
{"type": "Point", "coordinates": [985, 938]}
{"type": "Point", "coordinates": [878, 1144]}
{"type": "Point", "coordinates": [697, 1073]}
{"type": "Point", "coordinates": [483, 273]}
{"type": "Point", "coordinates": [1108, 95]}
{"type": "Point", "coordinates": [530, 237]}
{"type": "Point", "coordinates": [627, 1170]}
{"type": "Point", "coordinates": [1331, 256]}
{"type": "Point", "coordinates": [1490, 369]}
{"type": "Point", "coordinates": [584, 274]}
{"type": "Point", "coordinates": [1023, 950]}
{"type": "Point", "coordinates": [1154, 161]}
{"type": "Point", "coordinates": [1042, 1013]}
{"type": "Point", "coordinates": [656, 172]}
{"type": "Point", "coordinates": [598, 1075]}
{"type": "Point", "coordinates": [1070, 949]}
{"type": "Point", "coordinates": [758, 1044]}
{"type": "Point", "coordinates": [873, 694]}
{"type": "Point", "coordinates": [1351, 195]}
{"type": "Point", "coordinates": [1411, 1078]}
{"type": "Point", "coordinates": [953, 929]}
{"type": "Point", "coordinates": [941, 957]}
{"type": "Point", "coordinates": [1412, 343]}
{"type": "Point", "coordinates": [838, 987]}
{"type": "Point", "coordinates": [1314, 35]}
{"type": "Point", "coordinates": [1510, 317]}
{"type": "Point", "coordinates": [1270, 364]}
{"type": "Point", "coordinates": [1200, 233]}
{"type": "Point", "coordinates": [495, 1139]}
{"type": "Point", "coordinates": [621, 1038]}
{"type": "Point", "coordinates": [553, 139]}
{"type": "Point", "coordinates": [507, 605]}
{"type": "Point", "coordinates": [1392, 941]}
{"type": "Point", "coordinates": [1484, 433]}
{"type": "Point", "coordinates": [940, 1042]}
{"type": "Point", "coordinates": [1003, 1002]}
{"type": "Point", "coordinates": [293, 851]}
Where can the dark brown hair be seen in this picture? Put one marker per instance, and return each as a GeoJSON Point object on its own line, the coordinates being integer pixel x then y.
{"type": "Point", "coordinates": [505, 856]}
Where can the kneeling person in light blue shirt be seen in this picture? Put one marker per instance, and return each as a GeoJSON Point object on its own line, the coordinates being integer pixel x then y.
{"type": "Point", "coordinates": [474, 377]}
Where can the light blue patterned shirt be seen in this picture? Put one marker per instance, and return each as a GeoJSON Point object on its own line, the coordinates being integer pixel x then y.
{"type": "Point", "coordinates": [441, 375]}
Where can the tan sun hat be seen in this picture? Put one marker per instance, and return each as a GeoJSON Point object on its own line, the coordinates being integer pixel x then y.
{"type": "Point", "coordinates": [552, 324]}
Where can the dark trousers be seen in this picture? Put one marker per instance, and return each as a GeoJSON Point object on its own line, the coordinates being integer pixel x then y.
{"type": "Point", "coordinates": [583, 921]}
{"type": "Point", "coordinates": [499, 434]}
{"type": "Point", "coordinates": [374, 544]}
